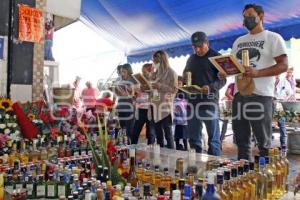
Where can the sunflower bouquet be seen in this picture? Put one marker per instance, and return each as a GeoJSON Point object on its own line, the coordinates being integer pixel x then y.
{"type": "Point", "coordinates": [9, 127]}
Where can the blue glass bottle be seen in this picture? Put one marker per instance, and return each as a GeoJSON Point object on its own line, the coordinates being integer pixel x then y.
{"type": "Point", "coordinates": [210, 193]}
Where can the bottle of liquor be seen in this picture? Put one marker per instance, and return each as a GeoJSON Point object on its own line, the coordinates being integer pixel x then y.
{"type": "Point", "coordinates": [176, 195]}
{"type": "Point", "coordinates": [34, 155]}
{"type": "Point", "coordinates": [198, 191]}
{"type": "Point", "coordinates": [187, 192]}
{"type": "Point", "coordinates": [176, 177]}
{"type": "Point", "coordinates": [40, 187]}
{"type": "Point", "coordinates": [14, 155]}
{"type": "Point", "coordinates": [233, 183]}
{"type": "Point", "coordinates": [181, 184]}
{"type": "Point", "coordinates": [51, 188]}
{"type": "Point", "coordinates": [242, 184]}
{"type": "Point", "coordinates": [24, 156]}
{"type": "Point", "coordinates": [52, 151]}
{"type": "Point", "coordinates": [62, 186]}
{"type": "Point", "coordinates": [251, 186]}
{"type": "Point", "coordinates": [147, 191]}
{"type": "Point", "coordinates": [105, 174]}
{"type": "Point", "coordinates": [220, 180]}
{"type": "Point", "coordinates": [44, 152]}
{"type": "Point", "coordinates": [20, 182]}
{"type": "Point", "coordinates": [166, 180]}
{"type": "Point", "coordinates": [148, 174]}
{"type": "Point", "coordinates": [270, 178]}
{"type": "Point", "coordinates": [139, 171]}
{"type": "Point", "coordinates": [30, 186]}
{"type": "Point", "coordinates": [157, 178]}
{"type": "Point", "coordinates": [233, 195]}
{"type": "Point", "coordinates": [210, 193]}
{"type": "Point", "coordinates": [276, 172]}
{"type": "Point", "coordinates": [280, 168]}
{"type": "Point", "coordinates": [286, 164]}
{"type": "Point", "coordinates": [256, 163]}
{"type": "Point", "coordinates": [262, 181]}
{"type": "Point", "coordinates": [132, 177]}
{"type": "Point", "coordinates": [9, 184]}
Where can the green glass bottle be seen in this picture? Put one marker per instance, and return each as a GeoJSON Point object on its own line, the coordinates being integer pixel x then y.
{"type": "Point", "coordinates": [62, 187]}
{"type": "Point", "coordinates": [51, 189]}
{"type": "Point", "coordinates": [30, 186]}
{"type": "Point", "coordinates": [40, 187]}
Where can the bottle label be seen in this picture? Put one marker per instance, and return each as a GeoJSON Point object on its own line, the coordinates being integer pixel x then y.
{"type": "Point", "coordinates": [40, 190]}
{"type": "Point", "coordinates": [29, 188]}
{"type": "Point", "coordinates": [90, 153]}
{"type": "Point", "coordinates": [61, 190]}
{"type": "Point", "coordinates": [76, 153]}
{"type": "Point", "coordinates": [83, 153]}
{"type": "Point", "coordinates": [50, 191]}
{"type": "Point", "coordinates": [19, 186]}
{"type": "Point", "coordinates": [9, 188]}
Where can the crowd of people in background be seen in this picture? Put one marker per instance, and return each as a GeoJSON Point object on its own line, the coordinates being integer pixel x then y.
{"type": "Point", "coordinates": [175, 119]}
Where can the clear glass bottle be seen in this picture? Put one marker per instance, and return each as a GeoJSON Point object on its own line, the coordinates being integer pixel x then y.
{"type": "Point", "coordinates": [166, 179]}
{"type": "Point", "coordinates": [276, 173]}
{"type": "Point", "coordinates": [286, 164]}
{"type": "Point", "coordinates": [220, 190]}
{"type": "Point", "coordinates": [210, 193]}
{"type": "Point", "coordinates": [44, 152]}
{"type": "Point", "coordinates": [139, 171]}
{"type": "Point", "coordinates": [270, 178]}
{"type": "Point", "coordinates": [24, 155]}
{"type": "Point", "coordinates": [262, 181]}
{"type": "Point", "coordinates": [132, 177]}
{"type": "Point", "coordinates": [34, 155]}
{"type": "Point", "coordinates": [226, 186]}
{"type": "Point", "coordinates": [157, 178]}
{"type": "Point", "coordinates": [233, 183]}
{"type": "Point", "coordinates": [148, 174]}
{"type": "Point", "coordinates": [14, 155]}
{"type": "Point", "coordinates": [250, 180]}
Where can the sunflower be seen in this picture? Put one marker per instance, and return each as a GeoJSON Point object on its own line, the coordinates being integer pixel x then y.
{"type": "Point", "coordinates": [6, 104]}
{"type": "Point", "coordinates": [31, 116]}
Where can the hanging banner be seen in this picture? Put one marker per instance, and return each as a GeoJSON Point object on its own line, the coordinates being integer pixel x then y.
{"type": "Point", "coordinates": [30, 24]}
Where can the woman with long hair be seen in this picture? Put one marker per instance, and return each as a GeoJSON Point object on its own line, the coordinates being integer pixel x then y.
{"type": "Point", "coordinates": [164, 89]}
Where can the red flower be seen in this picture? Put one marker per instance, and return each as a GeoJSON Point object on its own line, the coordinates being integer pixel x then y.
{"type": "Point", "coordinates": [54, 133]}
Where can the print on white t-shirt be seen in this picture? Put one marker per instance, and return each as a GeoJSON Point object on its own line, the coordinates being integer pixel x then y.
{"type": "Point", "coordinates": [263, 48]}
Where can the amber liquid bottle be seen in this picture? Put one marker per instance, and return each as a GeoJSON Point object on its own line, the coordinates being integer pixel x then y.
{"type": "Point", "coordinates": [24, 155]}
{"type": "Point", "coordinates": [220, 190]}
{"type": "Point", "coordinates": [132, 177]}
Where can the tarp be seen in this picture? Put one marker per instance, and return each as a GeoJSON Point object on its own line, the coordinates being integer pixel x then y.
{"type": "Point", "coordinates": [139, 27]}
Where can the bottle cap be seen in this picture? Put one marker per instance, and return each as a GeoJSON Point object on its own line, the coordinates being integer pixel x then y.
{"type": "Point", "coordinates": [262, 161]}
{"type": "Point", "coordinates": [161, 197]}
{"type": "Point", "coordinates": [161, 190]}
{"type": "Point", "coordinates": [173, 186]}
{"type": "Point", "coordinates": [146, 189]}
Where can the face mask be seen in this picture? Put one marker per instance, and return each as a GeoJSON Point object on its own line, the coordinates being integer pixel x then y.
{"type": "Point", "coordinates": [250, 22]}
{"type": "Point", "coordinates": [156, 66]}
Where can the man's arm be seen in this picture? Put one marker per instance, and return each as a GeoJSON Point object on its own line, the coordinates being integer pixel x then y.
{"type": "Point", "coordinates": [280, 67]}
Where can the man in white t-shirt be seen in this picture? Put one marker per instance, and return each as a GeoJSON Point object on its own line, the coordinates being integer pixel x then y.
{"type": "Point", "coordinates": [268, 58]}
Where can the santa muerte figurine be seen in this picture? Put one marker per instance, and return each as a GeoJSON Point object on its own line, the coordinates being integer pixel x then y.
{"type": "Point", "coordinates": [49, 31]}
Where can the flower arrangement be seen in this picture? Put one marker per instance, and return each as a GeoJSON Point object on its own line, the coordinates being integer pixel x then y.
{"type": "Point", "coordinates": [9, 128]}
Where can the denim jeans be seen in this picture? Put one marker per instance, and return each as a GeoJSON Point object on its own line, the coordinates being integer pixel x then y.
{"type": "Point", "coordinates": [163, 129]}
{"type": "Point", "coordinates": [210, 117]}
{"type": "Point", "coordinates": [282, 130]}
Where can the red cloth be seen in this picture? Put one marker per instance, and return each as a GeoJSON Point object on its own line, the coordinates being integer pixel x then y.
{"type": "Point", "coordinates": [28, 130]}
{"type": "Point", "coordinates": [104, 103]}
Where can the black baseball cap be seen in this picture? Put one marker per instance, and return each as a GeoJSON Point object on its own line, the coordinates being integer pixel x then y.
{"type": "Point", "coordinates": [198, 38]}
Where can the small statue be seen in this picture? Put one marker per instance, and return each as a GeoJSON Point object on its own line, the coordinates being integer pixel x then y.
{"type": "Point", "coordinates": [49, 31]}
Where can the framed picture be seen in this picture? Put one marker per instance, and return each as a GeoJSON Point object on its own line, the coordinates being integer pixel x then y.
{"type": "Point", "coordinates": [139, 77]}
{"type": "Point", "coordinates": [227, 64]}
{"type": "Point", "coordinates": [191, 89]}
